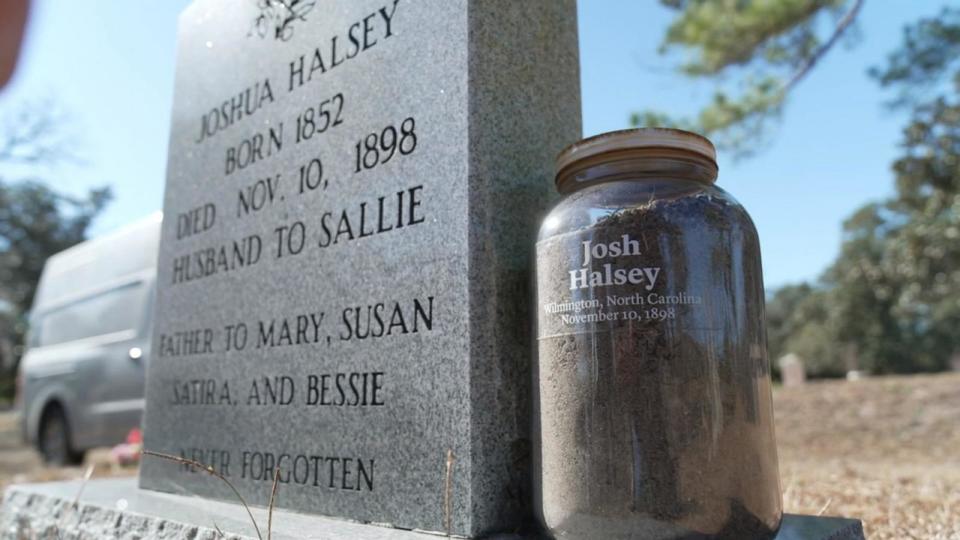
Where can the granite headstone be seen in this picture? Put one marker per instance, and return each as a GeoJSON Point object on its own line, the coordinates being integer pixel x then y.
{"type": "Point", "coordinates": [352, 193]}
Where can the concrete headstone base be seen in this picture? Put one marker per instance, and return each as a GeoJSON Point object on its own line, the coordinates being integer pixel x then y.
{"type": "Point", "coordinates": [117, 509]}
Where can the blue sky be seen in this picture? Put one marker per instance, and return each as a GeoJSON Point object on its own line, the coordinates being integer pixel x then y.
{"type": "Point", "coordinates": [110, 63]}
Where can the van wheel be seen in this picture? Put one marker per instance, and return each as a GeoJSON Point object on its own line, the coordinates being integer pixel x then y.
{"type": "Point", "coordinates": [54, 440]}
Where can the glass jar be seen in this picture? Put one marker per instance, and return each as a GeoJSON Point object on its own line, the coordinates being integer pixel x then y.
{"type": "Point", "coordinates": [654, 407]}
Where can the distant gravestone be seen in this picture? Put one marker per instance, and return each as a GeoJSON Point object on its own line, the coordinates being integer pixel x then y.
{"type": "Point", "coordinates": [352, 194]}
{"type": "Point", "coordinates": [792, 371]}
{"type": "Point", "coordinates": [855, 375]}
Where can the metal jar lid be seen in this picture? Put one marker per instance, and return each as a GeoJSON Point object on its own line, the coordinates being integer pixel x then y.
{"type": "Point", "coordinates": [642, 143]}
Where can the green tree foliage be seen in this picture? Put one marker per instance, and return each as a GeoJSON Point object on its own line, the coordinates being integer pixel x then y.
{"type": "Point", "coordinates": [929, 56]}
{"type": "Point", "coordinates": [890, 302]}
{"type": "Point", "coordinates": [36, 222]}
{"type": "Point", "coordinates": [766, 47]}
{"type": "Point", "coordinates": [782, 319]}
{"type": "Point", "coordinates": [799, 321]}
{"type": "Point", "coordinates": [895, 287]}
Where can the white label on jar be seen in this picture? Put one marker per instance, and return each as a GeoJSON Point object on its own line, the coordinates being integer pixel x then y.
{"type": "Point", "coordinates": [582, 281]}
{"type": "Point", "coordinates": [607, 275]}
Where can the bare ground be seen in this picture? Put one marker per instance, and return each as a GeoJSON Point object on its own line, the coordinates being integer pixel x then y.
{"type": "Point", "coordinates": [19, 464]}
{"type": "Point", "coordinates": [886, 450]}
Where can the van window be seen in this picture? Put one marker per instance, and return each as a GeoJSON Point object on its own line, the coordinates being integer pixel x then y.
{"type": "Point", "coordinates": [113, 311]}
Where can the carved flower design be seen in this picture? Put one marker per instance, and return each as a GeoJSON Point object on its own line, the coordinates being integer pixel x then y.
{"type": "Point", "coordinates": [276, 17]}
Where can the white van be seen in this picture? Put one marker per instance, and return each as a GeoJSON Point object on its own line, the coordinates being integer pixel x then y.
{"type": "Point", "coordinates": [82, 377]}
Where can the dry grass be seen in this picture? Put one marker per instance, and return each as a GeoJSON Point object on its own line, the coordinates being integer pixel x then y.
{"type": "Point", "coordinates": [886, 450]}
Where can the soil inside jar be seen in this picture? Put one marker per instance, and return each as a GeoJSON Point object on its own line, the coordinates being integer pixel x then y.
{"type": "Point", "coordinates": [655, 401]}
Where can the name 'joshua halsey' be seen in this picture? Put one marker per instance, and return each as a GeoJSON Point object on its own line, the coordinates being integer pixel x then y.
{"type": "Point", "coordinates": [607, 275]}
